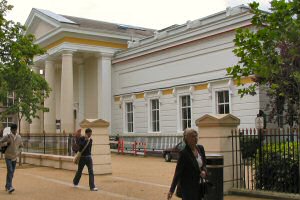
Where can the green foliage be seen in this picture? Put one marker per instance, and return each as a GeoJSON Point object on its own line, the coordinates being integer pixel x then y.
{"type": "Point", "coordinates": [279, 168]}
{"type": "Point", "coordinates": [16, 56]}
{"type": "Point", "coordinates": [270, 53]}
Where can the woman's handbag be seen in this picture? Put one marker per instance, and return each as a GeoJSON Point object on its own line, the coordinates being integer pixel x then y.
{"type": "Point", "coordinates": [203, 186]}
{"type": "Point", "coordinates": [79, 153]}
{"type": "Point", "coordinates": [178, 192]}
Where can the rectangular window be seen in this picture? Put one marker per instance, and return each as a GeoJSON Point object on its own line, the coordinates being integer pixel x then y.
{"type": "Point", "coordinates": [7, 122]}
{"type": "Point", "coordinates": [10, 100]}
{"type": "Point", "coordinates": [129, 117]}
{"type": "Point", "coordinates": [223, 102]}
{"type": "Point", "coordinates": [185, 112]}
{"type": "Point", "coordinates": [154, 115]}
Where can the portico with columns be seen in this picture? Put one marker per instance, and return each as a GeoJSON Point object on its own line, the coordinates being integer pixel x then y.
{"type": "Point", "coordinates": [77, 67]}
{"type": "Point", "coordinates": [80, 83]}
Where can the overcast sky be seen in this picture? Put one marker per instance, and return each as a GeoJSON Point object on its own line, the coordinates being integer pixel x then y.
{"type": "Point", "coordinates": [156, 14]}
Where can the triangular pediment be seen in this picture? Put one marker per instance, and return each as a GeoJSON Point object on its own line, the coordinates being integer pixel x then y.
{"type": "Point", "coordinates": [40, 24]}
{"type": "Point", "coordinates": [41, 28]}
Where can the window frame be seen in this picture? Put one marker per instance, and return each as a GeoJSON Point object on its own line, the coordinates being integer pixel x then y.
{"type": "Point", "coordinates": [9, 96]}
{"type": "Point", "coordinates": [179, 112]}
{"type": "Point", "coordinates": [7, 123]}
{"type": "Point", "coordinates": [125, 121]}
{"type": "Point", "coordinates": [216, 100]}
{"type": "Point", "coordinates": [150, 122]}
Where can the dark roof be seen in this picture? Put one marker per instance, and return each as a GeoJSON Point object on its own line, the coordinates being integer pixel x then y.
{"type": "Point", "coordinates": [121, 28]}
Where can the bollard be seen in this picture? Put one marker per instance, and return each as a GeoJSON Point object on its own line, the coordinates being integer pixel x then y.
{"type": "Point", "coordinates": [145, 148]}
{"type": "Point", "coordinates": [122, 149]}
{"type": "Point", "coordinates": [134, 148]}
{"type": "Point", "coordinates": [119, 145]}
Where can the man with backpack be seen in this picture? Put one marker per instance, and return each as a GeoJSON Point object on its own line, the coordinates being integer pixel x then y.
{"type": "Point", "coordinates": [14, 143]}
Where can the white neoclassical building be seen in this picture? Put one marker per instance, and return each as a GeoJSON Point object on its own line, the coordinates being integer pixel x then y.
{"type": "Point", "coordinates": [77, 67]}
{"type": "Point", "coordinates": [149, 84]}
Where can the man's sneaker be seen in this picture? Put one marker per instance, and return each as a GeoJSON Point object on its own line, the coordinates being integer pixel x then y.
{"type": "Point", "coordinates": [75, 186]}
{"type": "Point", "coordinates": [10, 190]}
{"type": "Point", "coordinates": [94, 189]}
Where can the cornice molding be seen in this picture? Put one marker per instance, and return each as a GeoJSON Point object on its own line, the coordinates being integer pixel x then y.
{"type": "Point", "coordinates": [83, 41]}
{"type": "Point", "coordinates": [46, 40]}
{"type": "Point", "coordinates": [67, 47]}
{"type": "Point", "coordinates": [149, 45]}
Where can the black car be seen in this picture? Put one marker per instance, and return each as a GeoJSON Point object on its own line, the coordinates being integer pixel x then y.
{"type": "Point", "coordinates": [173, 153]}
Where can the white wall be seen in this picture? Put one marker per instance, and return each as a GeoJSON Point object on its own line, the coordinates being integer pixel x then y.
{"type": "Point", "coordinates": [203, 61]}
{"type": "Point", "coordinates": [195, 62]}
{"type": "Point", "coordinates": [245, 108]}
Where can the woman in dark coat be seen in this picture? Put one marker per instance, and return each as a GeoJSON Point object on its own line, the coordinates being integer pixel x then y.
{"type": "Point", "coordinates": [190, 168]}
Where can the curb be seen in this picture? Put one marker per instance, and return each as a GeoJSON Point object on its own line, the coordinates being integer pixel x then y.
{"type": "Point", "coordinates": [264, 194]}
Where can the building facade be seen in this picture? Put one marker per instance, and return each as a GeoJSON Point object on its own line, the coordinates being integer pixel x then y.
{"type": "Point", "coordinates": [149, 84]}
{"type": "Point", "coordinates": [77, 67]}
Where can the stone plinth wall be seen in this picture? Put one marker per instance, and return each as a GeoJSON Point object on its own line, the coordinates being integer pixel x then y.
{"type": "Point", "coordinates": [65, 162]}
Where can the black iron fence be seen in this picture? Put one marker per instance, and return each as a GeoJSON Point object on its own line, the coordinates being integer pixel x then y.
{"type": "Point", "coordinates": [61, 144]}
{"type": "Point", "coordinates": [266, 159]}
{"type": "Point", "coordinates": [56, 144]}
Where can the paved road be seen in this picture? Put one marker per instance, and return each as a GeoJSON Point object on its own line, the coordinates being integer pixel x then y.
{"type": "Point", "coordinates": [134, 178]}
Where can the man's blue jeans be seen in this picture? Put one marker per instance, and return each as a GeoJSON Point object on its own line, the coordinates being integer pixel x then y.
{"type": "Point", "coordinates": [11, 166]}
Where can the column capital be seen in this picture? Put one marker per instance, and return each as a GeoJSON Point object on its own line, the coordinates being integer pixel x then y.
{"type": "Point", "coordinates": [105, 55]}
{"type": "Point", "coordinates": [35, 68]}
{"type": "Point", "coordinates": [49, 61]}
{"type": "Point", "coordinates": [67, 51]}
{"type": "Point", "coordinates": [79, 60]}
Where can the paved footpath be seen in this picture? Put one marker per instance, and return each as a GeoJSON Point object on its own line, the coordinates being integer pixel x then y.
{"type": "Point", "coordinates": [133, 178]}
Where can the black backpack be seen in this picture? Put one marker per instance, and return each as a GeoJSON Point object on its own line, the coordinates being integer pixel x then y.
{"type": "Point", "coordinates": [3, 149]}
{"type": "Point", "coordinates": [75, 144]}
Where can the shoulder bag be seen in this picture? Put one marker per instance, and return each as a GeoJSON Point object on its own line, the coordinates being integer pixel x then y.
{"type": "Point", "coordinates": [79, 153]}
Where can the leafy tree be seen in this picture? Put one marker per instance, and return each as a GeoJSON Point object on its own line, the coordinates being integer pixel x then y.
{"type": "Point", "coordinates": [270, 53]}
{"type": "Point", "coordinates": [16, 56]}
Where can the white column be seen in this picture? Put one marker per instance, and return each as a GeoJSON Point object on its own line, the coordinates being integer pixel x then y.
{"type": "Point", "coordinates": [50, 117]}
{"type": "Point", "coordinates": [35, 126]}
{"type": "Point", "coordinates": [67, 98]}
{"type": "Point", "coordinates": [104, 86]}
{"type": "Point", "coordinates": [25, 126]}
{"type": "Point", "coordinates": [58, 93]}
{"type": "Point", "coordinates": [81, 92]}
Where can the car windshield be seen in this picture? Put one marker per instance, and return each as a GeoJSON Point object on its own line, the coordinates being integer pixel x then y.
{"type": "Point", "coordinates": [180, 145]}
